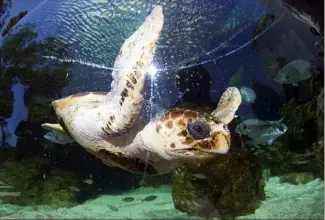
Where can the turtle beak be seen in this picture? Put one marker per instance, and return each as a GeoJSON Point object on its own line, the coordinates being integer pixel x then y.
{"type": "Point", "coordinates": [218, 143]}
{"type": "Point", "coordinates": [221, 142]}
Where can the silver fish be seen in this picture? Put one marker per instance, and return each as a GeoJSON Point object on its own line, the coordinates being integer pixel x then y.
{"type": "Point", "coordinates": [199, 175]}
{"type": "Point", "coordinates": [58, 137]}
{"type": "Point", "coordinates": [3, 194]}
{"type": "Point", "coordinates": [261, 132]}
{"type": "Point", "coordinates": [294, 72]}
{"type": "Point", "coordinates": [88, 181]}
{"type": "Point", "coordinates": [73, 188]}
{"type": "Point", "coordinates": [248, 95]}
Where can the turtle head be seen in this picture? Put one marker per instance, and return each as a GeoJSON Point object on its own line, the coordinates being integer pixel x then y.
{"type": "Point", "coordinates": [190, 134]}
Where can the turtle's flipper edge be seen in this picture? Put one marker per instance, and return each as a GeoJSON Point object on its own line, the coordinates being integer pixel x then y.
{"type": "Point", "coordinates": [228, 105]}
{"type": "Point", "coordinates": [136, 54]}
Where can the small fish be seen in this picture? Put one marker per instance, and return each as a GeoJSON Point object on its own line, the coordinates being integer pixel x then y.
{"type": "Point", "coordinates": [112, 208]}
{"type": "Point", "coordinates": [128, 199]}
{"type": "Point", "coordinates": [2, 194]}
{"type": "Point", "coordinates": [88, 181]}
{"type": "Point", "coordinates": [294, 72]}
{"type": "Point", "coordinates": [199, 176]}
{"type": "Point", "coordinates": [247, 94]}
{"type": "Point", "coordinates": [58, 137]}
{"type": "Point", "coordinates": [73, 188]}
{"type": "Point", "coordinates": [5, 187]}
{"type": "Point", "coordinates": [261, 132]}
{"type": "Point", "coordinates": [150, 198]}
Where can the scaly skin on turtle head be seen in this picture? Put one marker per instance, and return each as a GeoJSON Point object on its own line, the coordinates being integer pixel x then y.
{"type": "Point", "coordinates": [185, 134]}
{"type": "Point", "coordinates": [191, 134]}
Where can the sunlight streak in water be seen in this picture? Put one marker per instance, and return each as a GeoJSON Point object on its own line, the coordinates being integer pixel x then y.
{"type": "Point", "coordinates": [152, 71]}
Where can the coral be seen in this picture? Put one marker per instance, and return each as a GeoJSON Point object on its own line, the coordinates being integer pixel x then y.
{"type": "Point", "coordinates": [234, 186]}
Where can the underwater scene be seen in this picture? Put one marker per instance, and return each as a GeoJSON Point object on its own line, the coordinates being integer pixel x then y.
{"type": "Point", "coordinates": [161, 109]}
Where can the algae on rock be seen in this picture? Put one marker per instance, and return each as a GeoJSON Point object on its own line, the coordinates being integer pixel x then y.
{"type": "Point", "coordinates": [39, 183]}
{"type": "Point", "coordinates": [302, 124]}
{"type": "Point", "coordinates": [234, 186]}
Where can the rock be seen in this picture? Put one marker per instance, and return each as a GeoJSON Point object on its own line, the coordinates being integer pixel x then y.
{"type": "Point", "coordinates": [320, 113]}
{"type": "Point", "coordinates": [153, 181]}
{"type": "Point", "coordinates": [234, 186]}
{"type": "Point", "coordinates": [317, 163]}
{"type": "Point", "coordinates": [302, 124]}
{"type": "Point", "coordinates": [39, 183]}
{"type": "Point", "coordinates": [297, 178]}
{"type": "Point", "coordinates": [262, 23]}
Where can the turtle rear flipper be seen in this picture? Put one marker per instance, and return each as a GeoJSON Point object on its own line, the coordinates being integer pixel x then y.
{"type": "Point", "coordinates": [135, 58]}
{"type": "Point", "coordinates": [57, 134]}
{"type": "Point", "coordinates": [228, 105]}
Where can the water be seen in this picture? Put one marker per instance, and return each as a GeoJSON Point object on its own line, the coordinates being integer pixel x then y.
{"type": "Point", "coordinates": [62, 48]}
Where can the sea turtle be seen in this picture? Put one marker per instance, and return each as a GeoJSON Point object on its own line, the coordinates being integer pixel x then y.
{"type": "Point", "coordinates": [107, 124]}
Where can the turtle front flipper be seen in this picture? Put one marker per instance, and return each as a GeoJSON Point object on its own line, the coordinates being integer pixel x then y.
{"type": "Point", "coordinates": [135, 57]}
{"type": "Point", "coordinates": [228, 105]}
{"type": "Point", "coordinates": [57, 134]}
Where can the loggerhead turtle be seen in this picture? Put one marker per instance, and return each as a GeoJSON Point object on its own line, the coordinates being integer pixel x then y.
{"type": "Point", "coordinates": [107, 124]}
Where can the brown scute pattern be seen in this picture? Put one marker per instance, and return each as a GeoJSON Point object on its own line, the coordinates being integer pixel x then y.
{"type": "Point", "coordinates": [213, 142]}
{"type": "Point", "coordinates": [169, 124]}
{"type": "Point", "coordinates": [227, 137]}
{"type": "Point", "coordinates": [129, 85]}
{"type": "Point", "coordinates": [176, 113]}
{"type": "Point", "coordinates": [158, 127]}
{"type": "Point", "coordinates": [188, 140]}
{"type": "Point", "coordinates": [140, 64]}
{"type": "Point", "coordinates": [183, 133]}
{"type": "Point", "coordinates": [133, 165]}
{"type": "Point", "coordinates": [164, 118]}
{"type": "Point", "coordinates": [180, 122]}
{"type": "Point", "coordinates": [134, 80]}
{"type": "Point", "coordinates": [191, 115]}
{"type": "Point", "coordinates": [124, 93]}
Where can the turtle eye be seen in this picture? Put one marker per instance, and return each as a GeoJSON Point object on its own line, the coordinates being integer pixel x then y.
{"type": "Point", "coordinates": [199, 129]}
{"type": "Point", "coordinates": [225, 127]}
